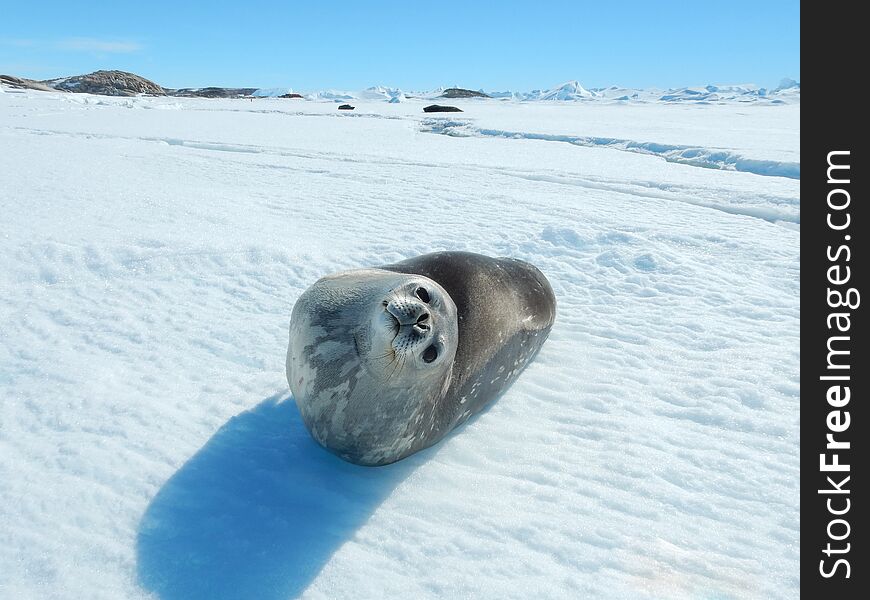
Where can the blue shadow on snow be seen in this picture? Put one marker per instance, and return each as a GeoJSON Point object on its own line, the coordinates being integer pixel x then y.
{"type": "Point", "coordinates": [258, 511]}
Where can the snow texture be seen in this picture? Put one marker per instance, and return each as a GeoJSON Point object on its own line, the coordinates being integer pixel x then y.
{"type": "Point", "coordinates": [152, 250]}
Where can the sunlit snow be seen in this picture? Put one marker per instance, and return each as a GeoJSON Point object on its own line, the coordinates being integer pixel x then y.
{"type": "Point", "coordinates": [150, 254]}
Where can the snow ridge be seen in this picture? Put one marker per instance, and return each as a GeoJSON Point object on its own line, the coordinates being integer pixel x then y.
{"type": "Point", "coordinates": [709, 158]}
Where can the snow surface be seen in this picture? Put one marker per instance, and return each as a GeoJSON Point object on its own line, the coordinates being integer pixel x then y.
{"type": "Point", "coordinates": [151, 252]}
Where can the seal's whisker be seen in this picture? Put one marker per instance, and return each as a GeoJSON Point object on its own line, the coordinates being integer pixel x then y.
{"type": "Point", "coordinates": [391, 353]}
{"type": "Point", "coordinates": [398, 366]}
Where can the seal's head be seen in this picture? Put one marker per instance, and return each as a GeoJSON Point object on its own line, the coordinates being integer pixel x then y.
{"type": "Point", "coordinates": [370, 355]}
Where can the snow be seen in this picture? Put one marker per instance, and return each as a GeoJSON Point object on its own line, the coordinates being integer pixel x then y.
{"type": "Point", "coordinates": [272, 92]}
{"type": "Point", "coordinates": [382, 93]}
{"type": "Point", "coordinates": [721, 93]}
{"type": "Point", "coordinates": [788, 92]}
{"type": "Point", "coordinates": [571, 90]}
{"type": "Point", "coordinates": [698, 156]}
{"type": "Point", "coordinates": [151, 252]}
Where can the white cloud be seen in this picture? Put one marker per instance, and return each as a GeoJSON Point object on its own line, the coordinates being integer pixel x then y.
{"type": "Point", "coordinates": [75, 44]}
{"type": "Point", "coordinates": [82, 44]}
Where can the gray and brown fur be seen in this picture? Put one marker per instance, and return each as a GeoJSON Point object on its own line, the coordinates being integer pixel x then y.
{"type": "Point", "coordinates": [496, 316]}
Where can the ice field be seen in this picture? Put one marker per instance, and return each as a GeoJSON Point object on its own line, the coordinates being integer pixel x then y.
{"type": "Point", "coordinates": [150, 254]}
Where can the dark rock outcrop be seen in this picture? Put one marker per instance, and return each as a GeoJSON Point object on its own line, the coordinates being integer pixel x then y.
{"type": "Point", "coordinates": [462, 93]}
{"type": "Point", "coordinates": [20, 83]}
{"type": "Point", "coordinates": [290, 95]}
{"type": "Point", "coordinates": [212, 92]}
{"type": "Point", "coordinates": [345, 107]}
{"type": "Point", "coordinates": [107, 83]}
{"type": "Point", "coordinates": [440, 108]}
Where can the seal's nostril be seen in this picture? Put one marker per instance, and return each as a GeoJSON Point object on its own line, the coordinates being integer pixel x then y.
{"type": "Point", "coordinates": [423, 317]}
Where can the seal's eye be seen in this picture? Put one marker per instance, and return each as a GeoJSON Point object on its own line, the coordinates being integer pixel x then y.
{"type": "Point", "coordinates": [430, 354]}
{"type": "Point", "coordinates": [423, 295]}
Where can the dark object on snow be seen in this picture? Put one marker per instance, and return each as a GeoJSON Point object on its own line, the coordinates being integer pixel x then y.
{"type": "Point", "coordinates": [462, 93]}
{"type": "Point", "coordinates": [290, 95]}
{"type": "Point", "coordinates": [345, 107]}
{"type": "Point", "coordinates": [440, 108]}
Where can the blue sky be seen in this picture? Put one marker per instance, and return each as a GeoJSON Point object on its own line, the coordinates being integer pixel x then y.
{"type": "Point", "coordinates": [352, 45]}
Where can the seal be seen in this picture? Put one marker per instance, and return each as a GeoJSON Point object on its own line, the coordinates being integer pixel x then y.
{"type": "Point", "coordinates": [384, 362]}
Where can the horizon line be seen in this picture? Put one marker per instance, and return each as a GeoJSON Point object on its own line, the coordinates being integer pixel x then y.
{"type": "Point", "coordinates": [437, 87]}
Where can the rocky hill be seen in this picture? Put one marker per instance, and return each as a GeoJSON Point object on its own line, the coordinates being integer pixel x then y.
{"type": "Point", "coordinates": [107, 83]}
{"type": "Point", "coordinates": [21, 83]}
{"type": "Point", "coordinates": [462, 93]}
{"type": "Point", "coordinates": [211, 92]}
